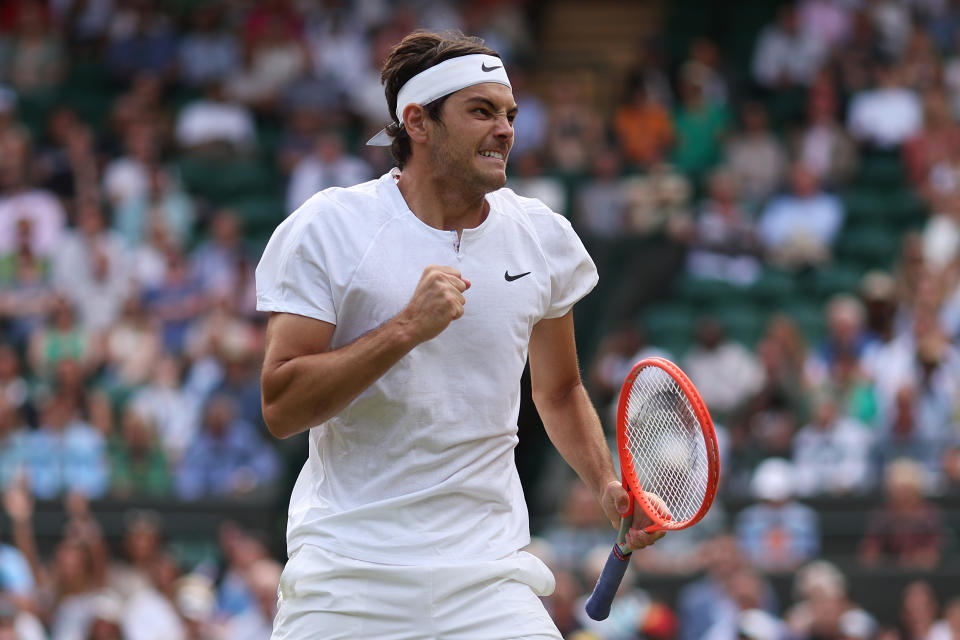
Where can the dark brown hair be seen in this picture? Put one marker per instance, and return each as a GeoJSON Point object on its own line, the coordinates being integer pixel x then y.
{"type": "Point", "coordinates": [416, 52]}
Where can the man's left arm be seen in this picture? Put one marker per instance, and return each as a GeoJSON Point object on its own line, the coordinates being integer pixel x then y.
{"type": "Point", "coordinates": [573, 424]}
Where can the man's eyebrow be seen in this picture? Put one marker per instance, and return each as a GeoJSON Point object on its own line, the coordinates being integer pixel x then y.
{"type": "Point", "coordinates": [490, 104]}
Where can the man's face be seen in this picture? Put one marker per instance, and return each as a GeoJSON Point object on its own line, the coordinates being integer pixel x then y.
{"type": "Point", "coordinates": [475, 136]}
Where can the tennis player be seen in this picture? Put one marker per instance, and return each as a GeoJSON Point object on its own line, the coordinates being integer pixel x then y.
{"type": "Point", "coordinates": [403, 312]}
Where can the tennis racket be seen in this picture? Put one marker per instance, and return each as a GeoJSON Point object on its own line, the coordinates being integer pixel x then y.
{"type": "Point", "coordinates": [667, 447]}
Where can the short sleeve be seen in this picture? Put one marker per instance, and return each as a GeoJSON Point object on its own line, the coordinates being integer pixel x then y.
{"type": "Point", "coordinates": [292, 275]}
{"type": "Point", "coordinates": [572, 272]}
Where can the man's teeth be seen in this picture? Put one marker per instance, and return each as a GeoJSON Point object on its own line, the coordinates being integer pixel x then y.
{"type": "Point", "coordinates": [492, 154]}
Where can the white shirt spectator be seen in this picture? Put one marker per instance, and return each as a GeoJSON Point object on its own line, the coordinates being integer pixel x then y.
{"type": "Point", "coordinates": [327, 167]}
{"type": "Point", "coordinates": [726, 376]}
{"type": "Point", "coordinates": [833, 459]}
{"type": "Point", "coordinates": [885, 116]}
{"type": "Point", "coordinates": [789, 219]}
{"type": "Point", "coordinates": [125, 179]}
{"type": "Point", "coordinates": [206, 121]}
{"type": "Point", "coordinates": [786, 56]}
{"type": "Point", "coordinates": [46, 216]}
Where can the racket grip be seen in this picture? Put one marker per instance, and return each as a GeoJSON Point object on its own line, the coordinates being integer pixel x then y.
{"type": "Point", "coordinates": [598, 605]}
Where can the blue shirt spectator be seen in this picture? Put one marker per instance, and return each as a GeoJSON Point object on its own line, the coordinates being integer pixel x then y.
{"type": "Point", "coordinates": [227, 457]}
{"type": "Point", "coordinates": [15, 574]}
{"type": "Point", "coordinates": [799, 227]}
{"type": "Point", "coordinates": [65, 454]}
{"type": "Point", "coordinates": [778, 534]}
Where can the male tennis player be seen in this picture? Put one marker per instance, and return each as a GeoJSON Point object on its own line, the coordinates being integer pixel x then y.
{"type": "Point", "coordinates": [403, 311]}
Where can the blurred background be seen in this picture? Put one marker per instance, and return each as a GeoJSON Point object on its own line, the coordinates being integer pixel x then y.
{"type": "Point", "coordinates": [770, 190]}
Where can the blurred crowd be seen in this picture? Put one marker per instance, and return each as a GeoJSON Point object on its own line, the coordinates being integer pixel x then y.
{"type": "Point", "coordinates": [147, 148]}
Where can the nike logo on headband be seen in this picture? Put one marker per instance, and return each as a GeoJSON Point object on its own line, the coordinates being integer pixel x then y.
{"type": "Point", "coordinates": [484, 67]}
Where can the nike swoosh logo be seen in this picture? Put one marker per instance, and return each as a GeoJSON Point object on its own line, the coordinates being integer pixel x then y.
{"type": "Point", "coordinates": [510, 278]}
{"type": "Point", "coordinates": [484, 67]}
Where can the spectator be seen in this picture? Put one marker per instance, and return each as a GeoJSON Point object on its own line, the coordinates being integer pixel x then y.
{"type": "Point", "coordinates": [778, 533]}
{"type": "Point", "coordinates": [616, 355]}
{"type": "Point", "coordinates": [941, 233]}
{"type": "Point", "coordinates": [822, 144]}
{"type": "Point", "coordinates": [755, 156]}
{"type": "Point", "coordinates": [799, 227]}
{"type": "Point", "coordinates": [138, 466]}
{"type": "Point", "coordinates": [271, 59]}
{"type": "Point", "coordinates": [329, 165]}
{"type": "Point", "coordinates": [19, 200]}
{"type": "Point", "coordinates": [132, 346]}
{"type": "Point", "coordinates": [143, 39]}
{"type": "Point", "coordinates": [209, 50]}
{"type": "Point", "coordinates": [215, 125]}
{"type": "Point", "coordinates": [169, 405]}
{"type": "Point", "coordinates": [531, 180]}
{"type": "Point", "coordinates": [601, 206]}
{"type": "Point", "coordinates": [643, 128]}
{"type": "Point", "coordinates": [906, 531]}
{"type": "Point", "coordinates": [176, 301]}
{"type": "Point", "coordinates": [126, 178]}
{"type": "Point", "coordinates": [257, 621]}
{"type": "Point", "coordinates": [574, 127]}
{"type": "Point", "coordinates": [227, 458]}
{"type": "Point", "coordinates": [888, 114]}
{"type": "Point", "coordinates": [832, 454]}
{"type": "Point", "coordinates": [918, 609]}
{"type": "Point", "coordinates": [141, 545]}
{"type": "Point", "coordinates": [916, 422]}
{"type": "Point", "coordinates": [699, 125]}
{"type": "Point", "coordinates": [936, 146]}
{"type": "Point", "coordinates": [786, 56]}
{"type": "Point", "coordinates": [151, 612]}
{"type": "Point", "coordinates": [36, 61]}
{"type": "Point", "coordinates": [723, 243]}
{"type": "Point", "coordinates": [16, 575]}
{"type": "Point", "coordinates": [92, 269]}
{"type": "Point", "coordinates": [709, 602]}
{"type": "Point", "coordinates": [240, 550]}
{"type": "Point", "coordinates": [61, 338]}
{"type": "Point", "coordinates": [725, 372]}
{"type": "Point", "coordinates": [196, 604]}
{"type": "Point", "coordinates": [846, 336]}
{"type": "Point", "coordinates": [580, 528]}
{"type": "Point", "coordinates": [73, 579]}
{"type": "Point", "coordinates": [26, 292]}
{"type": "Point", "coordinates": [822, 607]}
{"type": "Point", "coordinates": [163, 203]}
{"type": "Point", "coordinates": [658, 202]}
{"type": "Point", "coordinates": [66, 453]}
{"type": "Point", "coordinates": [213, 262]}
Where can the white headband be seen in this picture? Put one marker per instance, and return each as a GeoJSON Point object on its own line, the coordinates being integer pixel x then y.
{"type": "Point", "coordinates": [441, 80]}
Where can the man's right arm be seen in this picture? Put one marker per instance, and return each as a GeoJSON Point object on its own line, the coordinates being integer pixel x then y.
{"type": "Point", "coordinates": [304, 383]}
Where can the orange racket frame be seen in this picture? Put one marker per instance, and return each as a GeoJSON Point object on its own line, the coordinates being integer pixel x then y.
{"type": "Point", "coordinates": [628, 474]}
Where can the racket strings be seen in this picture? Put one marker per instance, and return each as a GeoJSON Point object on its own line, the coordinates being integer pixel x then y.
{"type": "Point", "coordinates": [666, 444]}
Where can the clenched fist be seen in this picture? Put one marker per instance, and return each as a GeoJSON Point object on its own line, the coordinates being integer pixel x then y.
{"type": "Point", "coordinates": [437, 301]}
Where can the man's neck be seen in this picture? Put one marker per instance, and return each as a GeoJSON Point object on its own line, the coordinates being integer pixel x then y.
{"type": "Point", "coordinates": [441, 202]}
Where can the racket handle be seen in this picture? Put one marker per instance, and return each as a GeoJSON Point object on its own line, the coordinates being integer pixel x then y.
{"type": "Point", "coordinates": [598, 606]}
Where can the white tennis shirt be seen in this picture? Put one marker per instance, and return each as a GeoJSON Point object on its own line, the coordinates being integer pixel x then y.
{"type": "Point", "coordinates": [419, 468]}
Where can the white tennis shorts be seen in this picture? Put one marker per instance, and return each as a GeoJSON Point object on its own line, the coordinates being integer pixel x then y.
{"type": "Point", "coordinates": [325, 596]}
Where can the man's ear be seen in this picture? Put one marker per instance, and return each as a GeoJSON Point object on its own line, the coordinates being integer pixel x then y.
{"type": "Point", "coordinates": [414, 118]}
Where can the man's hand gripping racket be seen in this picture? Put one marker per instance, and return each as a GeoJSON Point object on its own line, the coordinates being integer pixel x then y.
{"type": "Point", "coordinates": [669, 462]}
